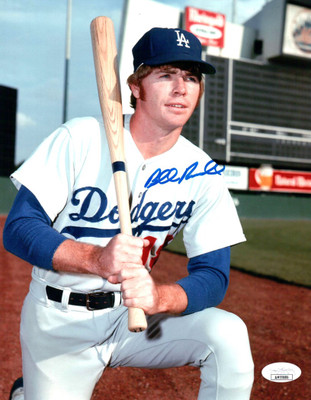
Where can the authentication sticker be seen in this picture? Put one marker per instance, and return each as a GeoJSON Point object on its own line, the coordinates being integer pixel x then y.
{"type": "Point", "coordinates": [281, 372]}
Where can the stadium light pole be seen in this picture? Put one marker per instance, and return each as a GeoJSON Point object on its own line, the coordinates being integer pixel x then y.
{"type": "Point", "coordinates": [67, 58]}
{"type": "Point", "coordinates": [233, 10]}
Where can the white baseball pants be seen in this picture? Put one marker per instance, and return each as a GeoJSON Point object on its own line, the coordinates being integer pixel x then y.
{"type": "Point", "coordinates": [66, 348]}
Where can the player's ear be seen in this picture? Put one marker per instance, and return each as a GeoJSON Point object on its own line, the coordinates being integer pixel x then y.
{"type": "Point", "coordinates": [135, 89]}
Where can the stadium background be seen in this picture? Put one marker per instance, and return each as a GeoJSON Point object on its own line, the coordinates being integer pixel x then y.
{"type": "Point", "coordinates": [255, 118]}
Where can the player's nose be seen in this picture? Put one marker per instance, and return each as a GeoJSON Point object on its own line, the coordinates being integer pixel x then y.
{"type": "Point", "coordinates": [179, 87]}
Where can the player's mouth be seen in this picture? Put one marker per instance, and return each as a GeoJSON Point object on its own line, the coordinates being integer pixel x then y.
{"type": "Point", "coordinates": [177, 106]}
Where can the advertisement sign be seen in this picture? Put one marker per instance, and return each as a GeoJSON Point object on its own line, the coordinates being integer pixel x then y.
{"type": "Point", "coordinates": [267, 179]}
{"type": "Point", "coordinates": [297, 31]}
{"type": "Point", "coordinates": [207, 26]}
{"type": "Point", "coordinates": [236, 177]}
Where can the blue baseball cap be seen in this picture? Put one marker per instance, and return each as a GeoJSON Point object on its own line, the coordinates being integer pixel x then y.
{"type": "Point", "coordinates": [161, 46]}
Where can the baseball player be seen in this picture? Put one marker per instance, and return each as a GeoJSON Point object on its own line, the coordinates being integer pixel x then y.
{"type": "Point", "coordinates": [86, 273]}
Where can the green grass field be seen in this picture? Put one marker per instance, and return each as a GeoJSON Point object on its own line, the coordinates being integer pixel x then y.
{"type": "Point", "coordinates": [280, 249]}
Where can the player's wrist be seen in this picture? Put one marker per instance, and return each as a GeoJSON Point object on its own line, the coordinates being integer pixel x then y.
{"type": "Point", "coordinates": [171, 299]}
{"type": "Point", "coordinates": [77, 257]}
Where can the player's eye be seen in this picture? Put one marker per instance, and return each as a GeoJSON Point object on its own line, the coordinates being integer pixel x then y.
{"type": "Point", "coordinates": [166, 75]}
{"type": "Point", "coordinates": [192, 78]}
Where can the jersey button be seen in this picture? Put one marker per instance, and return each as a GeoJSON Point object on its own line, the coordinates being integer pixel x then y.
{"type": "Point", "coordinates": [143, 167]}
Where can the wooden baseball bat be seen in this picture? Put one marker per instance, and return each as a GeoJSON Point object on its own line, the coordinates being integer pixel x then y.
{"type": "Point", "coordinates": [108, 85]}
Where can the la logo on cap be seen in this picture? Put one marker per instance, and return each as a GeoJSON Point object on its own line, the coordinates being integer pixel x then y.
{"type": "Point", "coordinates": [164, 46]}
{"type": "Point", "coordinates": [181, 39]}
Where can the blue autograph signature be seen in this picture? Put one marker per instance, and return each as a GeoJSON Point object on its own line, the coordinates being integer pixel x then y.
{"type": "Point", "coordinates": [159, 177]}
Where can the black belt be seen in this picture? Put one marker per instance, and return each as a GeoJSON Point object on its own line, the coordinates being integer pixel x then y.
{"type": "Point", "coordinates": [92, 301]}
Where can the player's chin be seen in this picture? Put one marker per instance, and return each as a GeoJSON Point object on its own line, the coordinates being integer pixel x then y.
{"type": "Point", "coordinates": [178, 116]}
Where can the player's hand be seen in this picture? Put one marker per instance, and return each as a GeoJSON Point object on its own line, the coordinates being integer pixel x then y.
{"type": "Point", "coordinates": [138, 289]}
{"type": "Point", "coordinates": [123, 251]}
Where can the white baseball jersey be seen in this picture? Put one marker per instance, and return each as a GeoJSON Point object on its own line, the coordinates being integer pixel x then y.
{"type": "Point", "coordinates": [70, 174]}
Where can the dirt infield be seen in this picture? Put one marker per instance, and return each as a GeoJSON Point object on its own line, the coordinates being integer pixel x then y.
{"type": "Point", "coordinates": [277, 315]}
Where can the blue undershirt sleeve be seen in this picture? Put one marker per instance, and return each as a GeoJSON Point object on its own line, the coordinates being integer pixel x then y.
{"type": "Point", "coordinates": [28, 233]}
{"type": "Point", "coordinates": [208, 279]}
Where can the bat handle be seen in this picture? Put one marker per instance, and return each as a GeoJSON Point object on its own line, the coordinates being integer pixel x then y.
{"type": "Point", "coordinates": [136, 317]}
{"type": "Point", "coordinates": [136, 320]}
